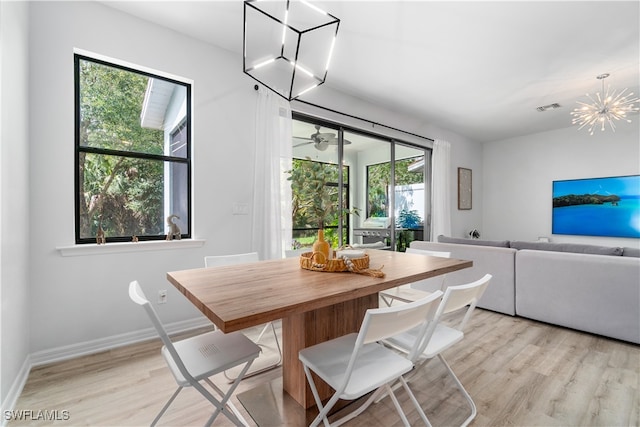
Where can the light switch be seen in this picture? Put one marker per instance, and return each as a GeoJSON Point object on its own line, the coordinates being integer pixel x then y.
{"type": "Point", "coordinates": [241, 209]}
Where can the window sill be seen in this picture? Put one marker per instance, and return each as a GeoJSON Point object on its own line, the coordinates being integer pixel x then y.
{"type": "Point", "coordinates": [118, 248]}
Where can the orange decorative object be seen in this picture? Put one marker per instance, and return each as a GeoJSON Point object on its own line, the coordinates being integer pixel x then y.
{"type": "Point", "coordinates": [322, 247]}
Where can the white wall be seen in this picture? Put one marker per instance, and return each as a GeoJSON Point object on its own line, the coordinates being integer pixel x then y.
{"type": "Point", "coordinates": [77, 300]}
{"type": "Point", "coordinates": [81, 299]}
{"type": "Point", "coordinates": [518, 175]}
{"type": "Point", "coordinates": [14, 191]}
{"type": "Point", "coordinates": [465, 153]}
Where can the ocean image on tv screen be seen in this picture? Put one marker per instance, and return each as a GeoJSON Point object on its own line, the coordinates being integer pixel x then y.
{"type": "Point", "coordinates": [597, 207]}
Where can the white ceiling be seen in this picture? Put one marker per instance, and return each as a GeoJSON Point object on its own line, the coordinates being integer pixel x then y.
{"type": "Point", "coordinates": [477, 68]}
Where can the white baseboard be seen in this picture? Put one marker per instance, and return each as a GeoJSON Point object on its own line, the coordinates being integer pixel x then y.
{"type": "Point", "coordinates": [9, 403]}
{"type": "Point", "coordinates": [89, 347]}
{"type": "Point", "coordinates": [58, 354]}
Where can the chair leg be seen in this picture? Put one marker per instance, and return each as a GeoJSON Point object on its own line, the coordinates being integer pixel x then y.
{"type": "Point", "coordinates": [474, 410]}
{"type": "Point", "coordinates": [323, 410]}
{"type": "Point", "coordinates": [226, 399]}
{"type": "Point", "coordinates": [266, 368]}
{"type": "Point", "coordinates": [166, 406]}
{"type": "Point", "coordinates": [378, 395]}
{"type": "Point", "coordinates": [229, 402]}
{"type": "Point", "coordinates": [360, 409]}
{"type": "Point", "coordinates": [387, 389]}
{"type": "Point", "coordinates": [263, 331]}
{"type": "Point", "coordinates": [222, 406]}
{"type": "Point", "coordinates": [415, 402]}
{"type": "Point", "coordinates": [397, 405]}
{"type": "Point", "coordinates": [464, 392]}
{"type": "Point", "coordinates": [407, 377]}
{"type": "Point", "coordinates": [275, 337]}
{"type": "Point", "coordinates": [387, 301]}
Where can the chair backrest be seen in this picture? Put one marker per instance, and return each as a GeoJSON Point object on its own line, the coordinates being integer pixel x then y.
{"type": "Point", "coordinates": [137, 295]}
{"type": "Point", "coordinates": [456, 298]}
{"type": "Point", "coordinates": [461, 296]}
{"type": "Point", "coordinates": [292, 253]}
{"type": "Point", "coordinates": [441, 254]}
{"type": "Point", "coordinates": [385, 322]}
{"type": "Point", "coordinates": [219, 260]}
{"type": "Point", "coordinates": [433, 283]}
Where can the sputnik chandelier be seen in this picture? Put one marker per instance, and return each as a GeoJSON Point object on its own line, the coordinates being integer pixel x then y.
{"type": "Point", "coordinates": [605, 108]}
{"type": "Point", "coordinates": [288, 45]}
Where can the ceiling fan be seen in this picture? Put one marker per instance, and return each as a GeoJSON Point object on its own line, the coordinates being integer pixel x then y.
{"type": "Point", "coordinates": [320, 140]}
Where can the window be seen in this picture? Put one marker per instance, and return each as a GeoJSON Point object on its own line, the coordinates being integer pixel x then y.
{"type": "Point", "coordinates": [132, 153]}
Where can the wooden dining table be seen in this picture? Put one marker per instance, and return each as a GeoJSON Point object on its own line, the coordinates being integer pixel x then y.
{"type": "Point", "coordinates": [314, 306]}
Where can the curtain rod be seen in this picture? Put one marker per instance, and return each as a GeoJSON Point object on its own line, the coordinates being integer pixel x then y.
{"type": "Point", "coordinates": [364, 120]}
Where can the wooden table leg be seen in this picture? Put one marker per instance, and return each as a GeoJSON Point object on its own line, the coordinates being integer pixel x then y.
{"type": "Point", "coordinates": [303, 330]}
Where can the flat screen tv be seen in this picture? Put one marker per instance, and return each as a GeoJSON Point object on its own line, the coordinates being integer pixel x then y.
{"type": "Point", "coordinates": [597, 206]}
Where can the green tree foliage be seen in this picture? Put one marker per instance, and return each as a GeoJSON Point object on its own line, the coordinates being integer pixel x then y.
{"type": "Point", "coordinates": [314, 188]}
{"type": "Point", "coordinates": [122, 194]}
{"type": "Point", "coordinates": [379, 180]}
{"type": "Point", "coordinates": [315, 194]}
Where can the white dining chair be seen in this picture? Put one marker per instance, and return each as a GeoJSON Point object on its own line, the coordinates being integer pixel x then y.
{"type": "Point", "coordinates": [416, 290]}
{"type": "Point", "coordinates": [292, 253]}
{"type": "Point", "coordinates": [458, 301]}
{"type": "Point", "coordinates": [198, 358]}
{"type": "Point", "coordinates": [356, 364]}
{"type": "Point", "coordinates": [235, 259]}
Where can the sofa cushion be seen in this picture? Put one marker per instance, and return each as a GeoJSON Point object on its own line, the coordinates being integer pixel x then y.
{"type": "Point", "coordinates": [568, 247]}
{"type": "Point", "coordinates": [633, 252]}
{"type": "Point", "coordinates": [592, 293]}
{"type": "Point", "coordinates": [496, 243]}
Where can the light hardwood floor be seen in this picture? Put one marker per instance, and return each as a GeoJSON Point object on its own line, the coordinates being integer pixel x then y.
{"type": "Point", "coordinates": [519, 372]}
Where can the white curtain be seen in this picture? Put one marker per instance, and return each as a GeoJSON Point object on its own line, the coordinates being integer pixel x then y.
{"type": "Point", "coordinates": [441, 195]}
{"type": "Point", "coordinates": [271, 228]}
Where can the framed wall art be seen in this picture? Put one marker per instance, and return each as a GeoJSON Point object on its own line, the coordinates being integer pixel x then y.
{"type": "Point", "coordinates": [607, 206]}
{"type": "Point", "coordinates": [464, 189]}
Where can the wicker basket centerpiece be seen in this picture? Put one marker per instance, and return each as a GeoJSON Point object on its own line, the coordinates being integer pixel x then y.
{"type": "Point", "coordinates": [359, 264]}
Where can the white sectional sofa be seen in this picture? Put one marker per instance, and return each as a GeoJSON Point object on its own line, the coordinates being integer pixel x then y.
{"type": "Point", "coordinates": [575, 286]}
{"type": "Point", "coordinates": [499, 261]}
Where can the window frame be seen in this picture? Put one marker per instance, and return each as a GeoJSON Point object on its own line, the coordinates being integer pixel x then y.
{"type": "Point", "coordinates": [78, 148]}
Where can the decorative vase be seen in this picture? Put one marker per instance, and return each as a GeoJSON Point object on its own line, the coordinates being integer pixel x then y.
{"type": "Point", "coordinates": [323, 247]}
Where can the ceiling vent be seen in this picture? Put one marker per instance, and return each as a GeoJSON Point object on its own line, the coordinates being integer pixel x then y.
{"type": "Point", "coordinates": [548, 107]}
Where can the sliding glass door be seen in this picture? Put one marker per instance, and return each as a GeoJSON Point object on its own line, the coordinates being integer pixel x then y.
{"type": "Point", "coordinates": [384, 202]}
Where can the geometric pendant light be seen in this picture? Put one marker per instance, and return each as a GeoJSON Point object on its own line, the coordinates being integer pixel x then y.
{"type": "Point", "coordinates": [287, 45]}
